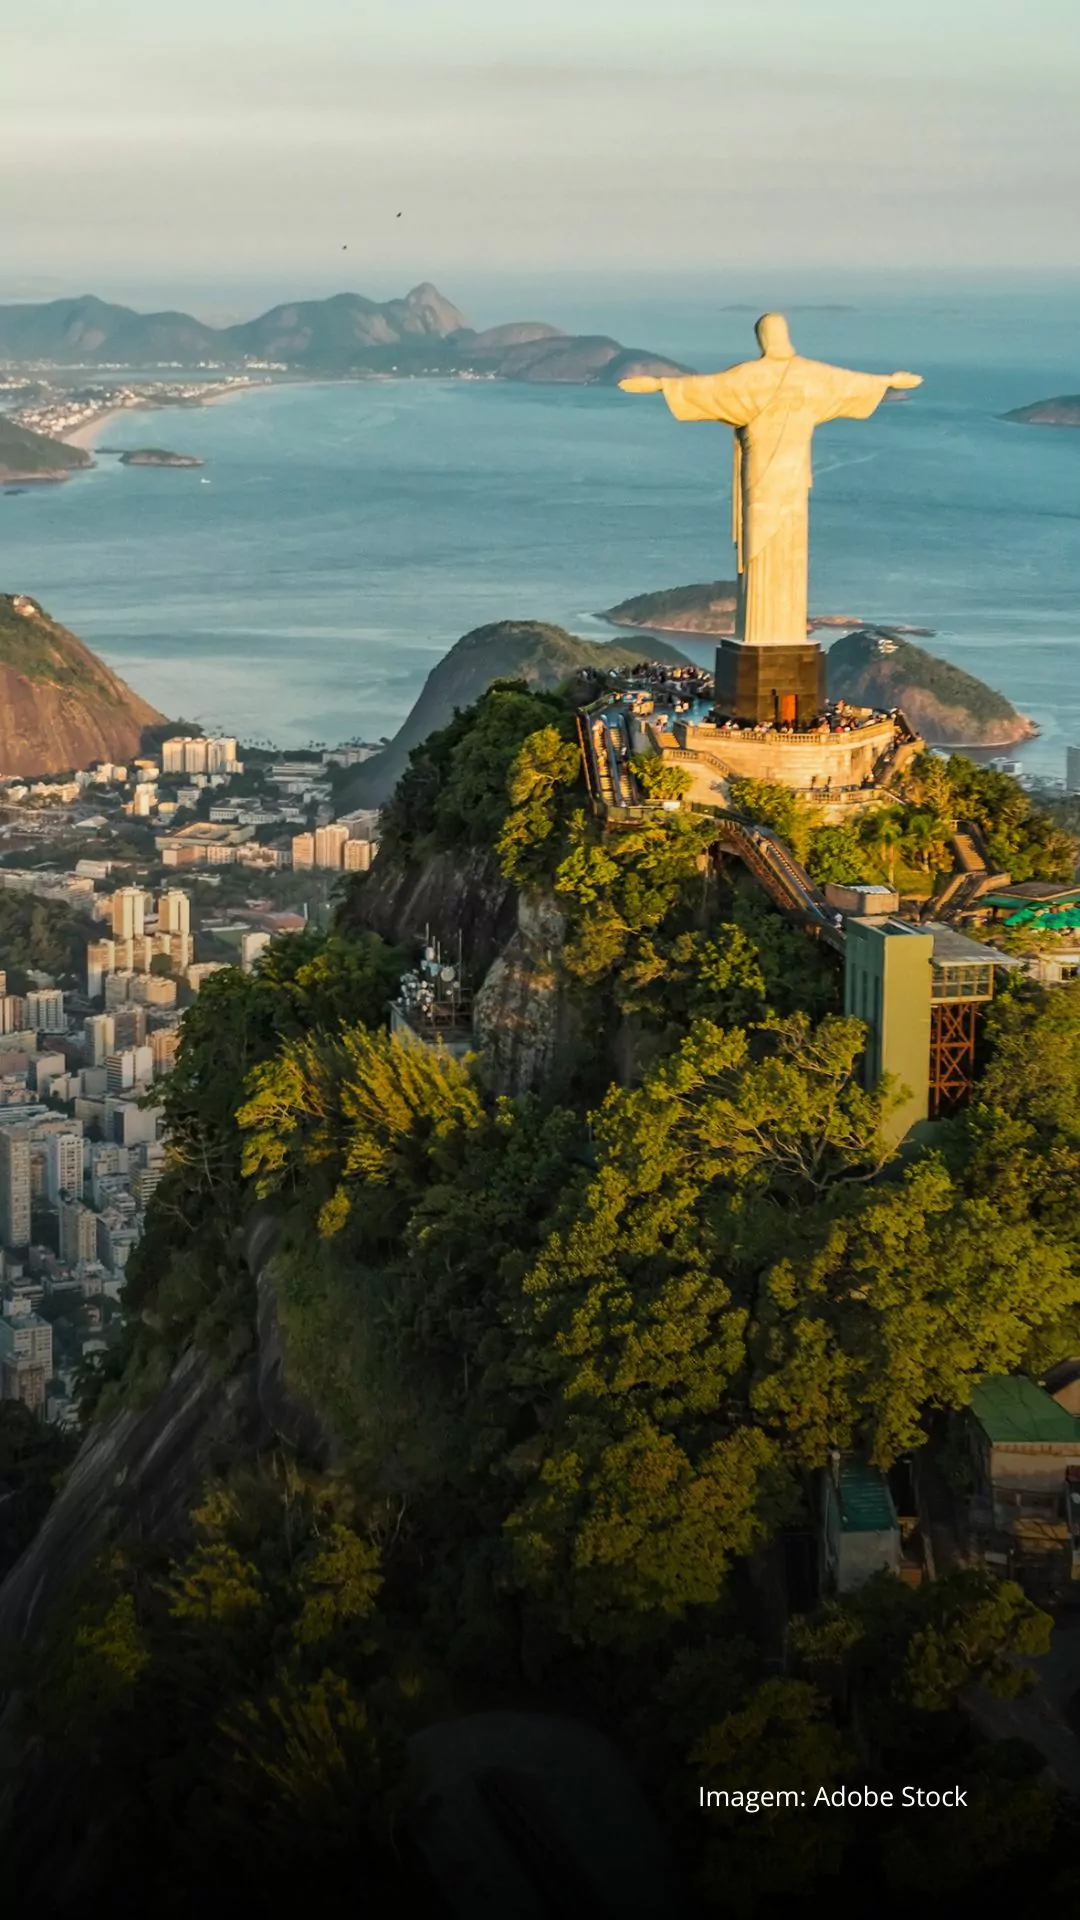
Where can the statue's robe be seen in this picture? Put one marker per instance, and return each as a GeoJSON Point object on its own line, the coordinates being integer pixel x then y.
{"type": "Point", "coordinates": [774, 404]}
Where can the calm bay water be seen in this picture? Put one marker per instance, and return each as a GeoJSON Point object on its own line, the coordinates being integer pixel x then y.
{"type": "Point", "coordinates": [350, 533]}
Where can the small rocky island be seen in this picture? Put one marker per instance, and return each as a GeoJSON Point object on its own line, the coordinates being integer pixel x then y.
{"type": "Point", "coordinates": [158, 457]}
{"type": "Point", "coordinates": [1064, 411]}
{"type": "Point", "coordinates": [708, 607]}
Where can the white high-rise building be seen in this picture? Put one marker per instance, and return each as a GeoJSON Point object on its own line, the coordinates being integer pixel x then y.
{"type": "Point", "coordinates": [15, 1187]}
{"type": "Point", "coordinates": [359, 855]}
{"type": "Point", "coordinates": [45, 1011]}
{"type": "Point", "coordinates": [221, 755]}
{"type": "Point", "coordinates": [330, 845]}
{"type": "Point", "coordinates": [44, 1069]}
{"type": "Point", "coordinates": [78, 1232]}
{"type": "Point", "coordinates": [26, 1359]}
{"type": "Point", "coordinates": [12, 1013]}
{"type": "Point", "coordinates": [63, 1166]}
{"type": "Point", "coordinates": [100, 1031]}
{"type": "Point", "coordinates": [131, 1067]}
{"type": "Point", "coordinates": [174, 911]}
{"type": "Point", "coordinates": [100, 962]}
{"type": "Point", "coordinates": [252, 947]}
{"type": "Point", "coordinates": [187, 753]}
{"type": "Point", "coordinates": [118, 989]}
{"type": "Point", "coordinates": [128, 913]}
{"type": "Point", "coordinates": [164, 1042]}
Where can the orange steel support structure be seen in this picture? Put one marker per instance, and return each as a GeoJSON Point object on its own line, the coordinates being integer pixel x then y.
{"type": "Point", "coordinates": [952, 1055]}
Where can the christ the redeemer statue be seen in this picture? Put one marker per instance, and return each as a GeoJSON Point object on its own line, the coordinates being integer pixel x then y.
{"type": "Point", "coordinates": [774, 404]}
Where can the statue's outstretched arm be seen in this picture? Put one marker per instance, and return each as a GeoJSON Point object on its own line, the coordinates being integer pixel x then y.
{"type": "Point", "coordinates": [706, 396]}
{"type": "Point", "coordinates": [855, 396]}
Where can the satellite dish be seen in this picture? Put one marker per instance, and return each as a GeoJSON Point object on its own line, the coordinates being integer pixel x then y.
{"type": "Point", "coordinates": [448, 974]}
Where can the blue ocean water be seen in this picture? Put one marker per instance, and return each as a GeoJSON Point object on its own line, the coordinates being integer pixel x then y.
{"type": "Point", "coordinates": [350, 533]}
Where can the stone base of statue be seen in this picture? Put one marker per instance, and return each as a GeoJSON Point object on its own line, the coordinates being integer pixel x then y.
{"type": "Point", "coordinates": [783, 686]}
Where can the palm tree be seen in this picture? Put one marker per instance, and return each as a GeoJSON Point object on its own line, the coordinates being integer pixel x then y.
{"type": "Point", "coordinates": [883, 832]}
{"type": "Point", "coordinates": [924, 837]}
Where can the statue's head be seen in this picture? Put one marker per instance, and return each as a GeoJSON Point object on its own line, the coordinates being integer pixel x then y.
{"type": "Point", "coordinates": [774, 338]}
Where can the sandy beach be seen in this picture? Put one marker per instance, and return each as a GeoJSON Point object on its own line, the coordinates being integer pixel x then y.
{"type": "Point", "coordinates": [87, 435]}
{"type": "Point", "coordinates": [90, 432]}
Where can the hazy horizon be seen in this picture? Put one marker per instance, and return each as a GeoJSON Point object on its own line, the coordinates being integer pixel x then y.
{"type": "Point", "coordinates": [249, 145]}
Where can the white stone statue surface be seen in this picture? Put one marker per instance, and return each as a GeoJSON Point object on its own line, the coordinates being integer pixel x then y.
{"type": "Point", "coordinates": [774, 404]}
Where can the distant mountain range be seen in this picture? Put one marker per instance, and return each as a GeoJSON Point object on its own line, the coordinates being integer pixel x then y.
{"type": "Point", "coordinates": [424, 333]}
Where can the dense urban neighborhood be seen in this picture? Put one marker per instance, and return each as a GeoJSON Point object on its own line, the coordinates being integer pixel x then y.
{"type": "Point", "coordinates": [122, 889]}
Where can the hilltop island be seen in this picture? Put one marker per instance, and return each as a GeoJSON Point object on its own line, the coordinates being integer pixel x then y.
{"type": "Point", "coordinates": [1064, 411]}
{"type": "Point", "coordinates": [158, 457]}
{"type": "Point", "coordinates": [948, 707]}
{"type": "Point", "coordinates": [708, 607]}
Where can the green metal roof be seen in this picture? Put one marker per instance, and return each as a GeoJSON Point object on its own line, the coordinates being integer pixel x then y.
{"type": "Point", "coordinates": [1012, 1408]}
{"type": "Point", "coordinates": [865, 1501]}
{"type": "Point", "coordinates": [1031, 893]}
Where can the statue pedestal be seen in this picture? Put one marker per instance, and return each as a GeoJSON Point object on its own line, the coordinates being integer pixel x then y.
{"type": "Point", "coordinates": [779, 685]}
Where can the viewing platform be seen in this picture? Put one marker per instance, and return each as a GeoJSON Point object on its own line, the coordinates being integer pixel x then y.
{"type": "Point", "coordinates": [839, 763]}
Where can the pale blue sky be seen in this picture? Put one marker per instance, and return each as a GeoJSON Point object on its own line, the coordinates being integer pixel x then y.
{"type": "Point", "coordinates": [225, 140]}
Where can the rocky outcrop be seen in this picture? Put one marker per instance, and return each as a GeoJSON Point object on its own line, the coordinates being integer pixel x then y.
{"type": "Point", "coordinates": [139, 1473]}
{"type": "Point", "coordinates": [523, 1019]}
{"type": "Point", "coordinates": [284, 1418]}
{"type": "Point", "coordinates": [60, 706]}
{"type": "Point", "coordinates": [447, 897]}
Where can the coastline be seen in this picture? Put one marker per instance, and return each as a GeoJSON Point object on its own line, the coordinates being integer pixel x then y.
{"type": "Point", "coordinates": [87, 435]}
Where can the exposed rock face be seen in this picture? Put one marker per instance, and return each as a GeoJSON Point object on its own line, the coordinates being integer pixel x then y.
{"type": "Point", "coordinates": [282, 1415]}
{"type": "Point", "coordinates": [141, 1471]}
{"type": "Point", "coordinates": [522, 1018]}
{"type": "Point", "coordinates": [137, 1469]}
{"type": "Point", "coordinates": [446, 895]}
{"type": "Point", "coordinates": [60, 706]}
